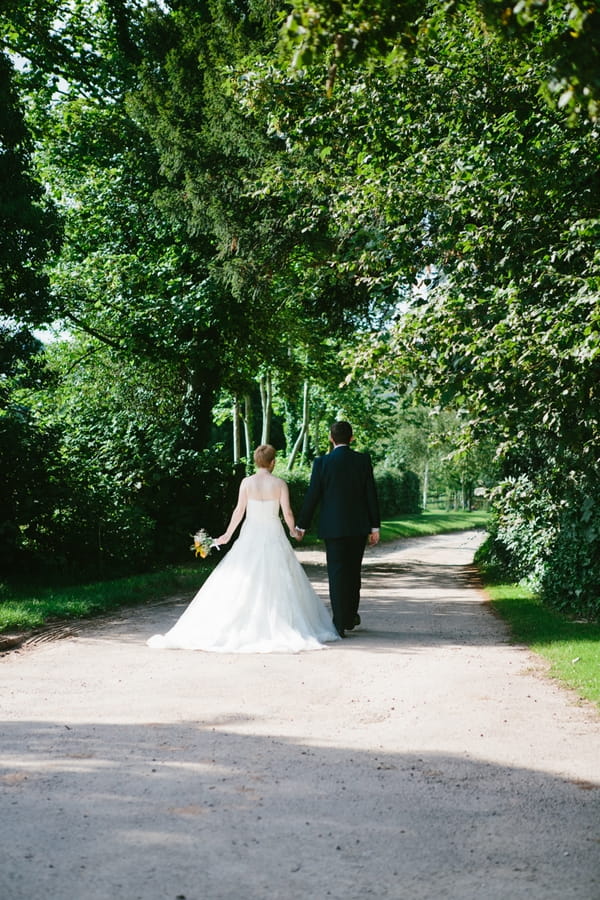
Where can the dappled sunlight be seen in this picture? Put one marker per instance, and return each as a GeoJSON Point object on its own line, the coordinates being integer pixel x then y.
{"type": "Point", "coordinates": [410, 604]}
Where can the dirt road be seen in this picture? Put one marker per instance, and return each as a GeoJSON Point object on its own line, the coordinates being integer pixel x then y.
{"type": "Point", "coordinates": [424, 757]}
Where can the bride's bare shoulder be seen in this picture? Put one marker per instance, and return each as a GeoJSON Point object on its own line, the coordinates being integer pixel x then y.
{"type": "Point", "coordinates": [283, 486]}
{"type": "Point", "coordinates": [246, 484]}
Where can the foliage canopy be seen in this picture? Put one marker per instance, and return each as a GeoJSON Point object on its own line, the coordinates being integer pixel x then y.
{"type": "Point", "coordinates": [258, 191]}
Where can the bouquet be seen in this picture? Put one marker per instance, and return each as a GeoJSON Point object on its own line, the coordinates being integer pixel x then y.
{"type": "Point", "coordinates": [203, 544]}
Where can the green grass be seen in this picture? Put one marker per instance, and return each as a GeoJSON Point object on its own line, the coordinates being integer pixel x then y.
{"type": "Point", "coordinates": [422, 524]}
{"type": "Point", "coordinates": [571, 647]}
{"type": "Point", "coordinates": [24, 606]}
{"type": "Point", "coordinates": [432, 522]}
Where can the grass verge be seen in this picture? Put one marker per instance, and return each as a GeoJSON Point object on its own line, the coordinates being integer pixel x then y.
{"type": "Point", "coordinates": [25, 607]}
{"type": "Point", "coordinates": [432, 522]}
{"type": "Point", "coordinates": [571, 647]}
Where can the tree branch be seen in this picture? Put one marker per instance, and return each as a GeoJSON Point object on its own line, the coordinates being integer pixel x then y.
{"type": "Point", "coordinates": [89, 329]}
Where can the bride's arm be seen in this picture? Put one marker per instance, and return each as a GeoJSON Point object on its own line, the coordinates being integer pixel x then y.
{"type": "Point", "coordinates": [286, 509]}
{"type": "Point", "coordinates": [236, 516]}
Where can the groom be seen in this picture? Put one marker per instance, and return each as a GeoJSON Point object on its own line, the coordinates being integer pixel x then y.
{"type": "Point", "coordinates": [343, 483]}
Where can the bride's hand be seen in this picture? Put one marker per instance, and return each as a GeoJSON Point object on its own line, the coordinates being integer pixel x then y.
{"type": "Point", "coordinates": [222, 540]}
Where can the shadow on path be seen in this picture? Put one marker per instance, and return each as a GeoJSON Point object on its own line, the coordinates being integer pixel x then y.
{"type": "Point", "coordinates": [415, 760]}
{"type": "Point", "coordinates": [196, 810]}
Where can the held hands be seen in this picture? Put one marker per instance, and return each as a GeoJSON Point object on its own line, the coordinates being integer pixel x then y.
{"type": "Point", "coordinates": [373, 538]}
{"type": "Point", "coordinates": [297, 534]}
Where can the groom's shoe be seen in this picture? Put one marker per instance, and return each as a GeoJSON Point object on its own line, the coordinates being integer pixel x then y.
{"type": "Point", "coordinates": [354, 623]}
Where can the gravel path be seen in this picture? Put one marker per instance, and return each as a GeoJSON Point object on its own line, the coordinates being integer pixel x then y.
{"type": "Point", "coordinates": [424, 757]}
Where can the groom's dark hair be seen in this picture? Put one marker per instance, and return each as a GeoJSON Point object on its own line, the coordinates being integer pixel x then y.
{"type": "Point", "coordinates": [341, 432]}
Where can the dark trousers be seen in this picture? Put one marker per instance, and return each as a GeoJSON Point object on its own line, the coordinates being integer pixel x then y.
{"type": "Point", "coordinates": [344, 560]}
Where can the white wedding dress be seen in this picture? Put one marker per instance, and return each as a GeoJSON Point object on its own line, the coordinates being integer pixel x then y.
{"type": "Point", "coordinates": [257, 600]}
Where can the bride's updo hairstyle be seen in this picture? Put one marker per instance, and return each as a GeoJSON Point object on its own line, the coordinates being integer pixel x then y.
{"type": "Point", "coordinates": [264, 456]}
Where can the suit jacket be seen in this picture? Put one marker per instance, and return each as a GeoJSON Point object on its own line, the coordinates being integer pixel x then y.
{"type": "Point", "coordinates": [343, 483]}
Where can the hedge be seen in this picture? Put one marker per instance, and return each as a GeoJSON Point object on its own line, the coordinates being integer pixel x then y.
{"type": "Point", "coordinates": [398, 492]}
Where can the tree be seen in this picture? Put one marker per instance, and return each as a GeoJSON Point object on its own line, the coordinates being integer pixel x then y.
{"type": "Point", "coordinates": [29, 450]}
{"type": "Point", "coordinates": [29, 228]}
{"type": "Point", "coordinates": [130, 493]}
{"type": "Point", "coordinates": [344, 33]}
{"type": "Point", "coordinates": [507, 326]}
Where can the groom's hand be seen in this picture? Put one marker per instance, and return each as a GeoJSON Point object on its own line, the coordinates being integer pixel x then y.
{"type": "Point", "coordinates": [299, 534]}
{"type": "Point", "coordinates": [374, 538]}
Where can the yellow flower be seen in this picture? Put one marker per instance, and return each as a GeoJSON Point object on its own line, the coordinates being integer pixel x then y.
{"type": "Point", "coordinates": [203, 544]}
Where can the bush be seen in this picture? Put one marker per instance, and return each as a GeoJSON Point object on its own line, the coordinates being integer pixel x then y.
{"type": "Point", "coordinates": [297, 482]}
{"type": "Point", "coordinates": [549, 541]}
{"type": "Point", "coordinates": [398, 492]}
{"type": "Point", "coordinates": [29, 462]}
{"type": "Point", "coordinates": [571, 579]}
{"type": "Point", "coordinates": [199, 490]}
{"type": "Point", "coordinates": [102, 524]}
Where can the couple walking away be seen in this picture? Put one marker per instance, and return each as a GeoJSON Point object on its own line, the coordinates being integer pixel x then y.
{"type": "Point", "coordinates": [258, 599]}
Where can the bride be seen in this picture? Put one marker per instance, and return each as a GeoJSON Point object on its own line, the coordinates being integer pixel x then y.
{"type": "Point", "coordinates": [258, 599]}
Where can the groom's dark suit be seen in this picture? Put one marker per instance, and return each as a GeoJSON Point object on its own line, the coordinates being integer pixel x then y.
{"type": "Point", "coordinates": [343, 483]}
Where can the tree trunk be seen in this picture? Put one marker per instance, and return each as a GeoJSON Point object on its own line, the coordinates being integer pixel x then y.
{"type": "Point", "coordinates": [202, 384]}
{"type": "Point", "coordinates": [266, 399]}
{"type": "Point", "coordinates": [235, 413]}
{"type": "Point", "coordinates": [425, 484]}
{"type": "Point", "coordinates": [316, 429]}
{"type": "Point", "coordinates": [247, 419]}
{"type": "Point", "coordinates": [305, 445]}
{"type": "Point", "coordinates": [303, 429]}
{"type": "Point", "coordinates": [198, 405]}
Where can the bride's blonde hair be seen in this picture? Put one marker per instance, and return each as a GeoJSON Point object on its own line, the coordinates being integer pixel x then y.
{"type": "Point", "coordinates": [264, 456]}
